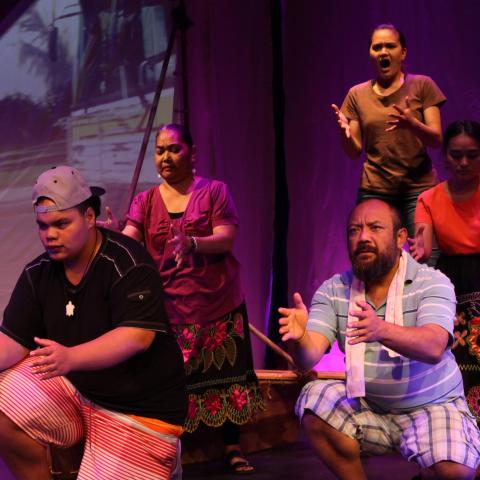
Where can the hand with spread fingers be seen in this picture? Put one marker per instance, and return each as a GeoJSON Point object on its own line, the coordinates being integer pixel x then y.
{"type": "Point", "coordinates": [182, 245]}
{"type": "Point", "coordinates": [51, 360]}
{"type": "Point", "coordinates": [112, 222]}
{"type": "Point", "coordinates": [417, 245]}
{"type": "Point", "coordinates": [367, 328]}
{"type": "Point", "coordinates": [403, 118]}
{"type": "Point", "coordinates": [342, 120]}
{"type": "Point", "coordinates": [294, 320]}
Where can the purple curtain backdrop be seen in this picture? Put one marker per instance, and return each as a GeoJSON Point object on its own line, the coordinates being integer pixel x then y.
{"type": "Point", "coordinates": [325, 52]}
{"type": "Point", "coordinates": [230, 105]}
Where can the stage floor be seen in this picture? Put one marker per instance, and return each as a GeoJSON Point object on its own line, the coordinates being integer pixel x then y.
{"type": "Point", "coordinates": [298, 462]}
{"type": "Point", "coordinates": [292, 462]}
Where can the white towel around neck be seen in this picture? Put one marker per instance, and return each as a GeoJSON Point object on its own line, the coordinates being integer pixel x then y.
{"type": "Point", "coordinates": [355, 354]}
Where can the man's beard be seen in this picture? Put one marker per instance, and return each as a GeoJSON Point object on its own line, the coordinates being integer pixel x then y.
{"type": "Point", "coordinates": [372, 271]}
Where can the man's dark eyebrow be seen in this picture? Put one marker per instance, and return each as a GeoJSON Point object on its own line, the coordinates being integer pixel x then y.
{"type": "Point", "coordinates": [55, 222]}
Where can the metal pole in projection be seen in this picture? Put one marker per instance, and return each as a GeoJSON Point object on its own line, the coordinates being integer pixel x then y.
{"type": "Point", "coordinates": [180, 22]}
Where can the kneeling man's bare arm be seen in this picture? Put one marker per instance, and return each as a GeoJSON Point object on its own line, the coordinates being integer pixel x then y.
{"type": "Point", "coordinates": [11, 351]}
{"type": "Point", "coordinates": [112, 348]}
{"type": "Point", "coordinates": [425, 343]}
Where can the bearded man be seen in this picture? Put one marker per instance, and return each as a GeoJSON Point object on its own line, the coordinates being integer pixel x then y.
{"type": "Point", "coordinates": [393, 318]}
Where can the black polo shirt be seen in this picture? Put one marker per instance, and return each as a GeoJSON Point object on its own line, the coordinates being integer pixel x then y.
{"type": "Point", "coordinates": [121, 288]}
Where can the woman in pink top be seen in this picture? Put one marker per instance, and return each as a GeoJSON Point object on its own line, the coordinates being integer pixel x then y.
{"type": "Point", "coordinates": [451, 211]}
{"type": "Point", "coordinates": [189, 224]}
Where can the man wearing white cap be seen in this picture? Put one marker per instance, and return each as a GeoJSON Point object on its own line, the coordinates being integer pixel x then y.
{"type": "Point", "coordinates": [86, 350]}
{"type": "Point", "coordinates": [393, 318]}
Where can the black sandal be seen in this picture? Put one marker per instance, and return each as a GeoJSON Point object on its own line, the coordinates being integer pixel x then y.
{"type": "Point", "coordinates": [240, 467]}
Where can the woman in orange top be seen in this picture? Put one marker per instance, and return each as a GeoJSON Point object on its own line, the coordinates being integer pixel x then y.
{"type": "Point", "coordinates": [451, 210]}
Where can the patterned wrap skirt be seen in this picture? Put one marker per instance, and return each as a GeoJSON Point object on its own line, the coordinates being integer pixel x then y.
{"type": "Point", "coordinates": [221, 381]}
{"type": "Point", "coordinates": [464, 272]}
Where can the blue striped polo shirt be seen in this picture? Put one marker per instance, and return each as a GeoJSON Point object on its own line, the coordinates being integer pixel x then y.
{"type": "Point", "coordinates": [397, 383]}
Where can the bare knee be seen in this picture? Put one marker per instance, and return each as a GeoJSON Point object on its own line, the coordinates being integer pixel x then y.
{"type": "Point", "coordinates": [448, 471]}
{"type": "Point", "coordinates": [8, 430]}
{"type": "Point", "coordinates": [15, 441]}
{"type": "Point", "coordinates": [24, 457]}
{"type": "Point", "coordinates": [320, 432]}
{"type": "Point", "coordinates": [313, 424]}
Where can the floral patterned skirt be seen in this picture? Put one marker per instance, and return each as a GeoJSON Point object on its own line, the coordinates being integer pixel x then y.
{"type": "Point", "coordinates": [221, 381]}
{"type": "Point", "coordinates": [463, 272]}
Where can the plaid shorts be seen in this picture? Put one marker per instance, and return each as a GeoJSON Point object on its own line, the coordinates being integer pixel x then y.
{"type": "Point", "coordinates": [116, 446]}
{"type": "Point", "coordinates": [426, 435]}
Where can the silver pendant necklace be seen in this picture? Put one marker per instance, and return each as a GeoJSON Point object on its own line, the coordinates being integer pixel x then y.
{"type": "Point", "coordinates": [69, 306]}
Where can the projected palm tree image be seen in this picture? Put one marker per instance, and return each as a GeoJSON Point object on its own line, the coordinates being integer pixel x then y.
{"type": "Point", "coordinates": [78, 79]}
